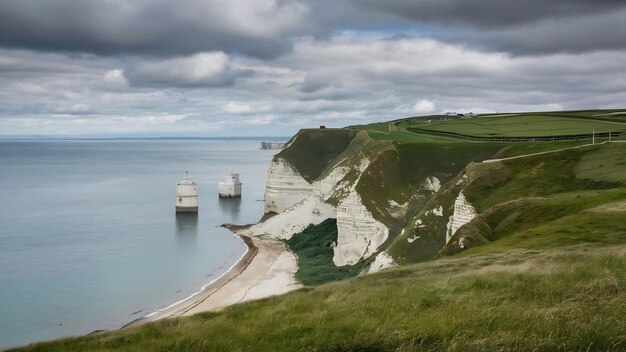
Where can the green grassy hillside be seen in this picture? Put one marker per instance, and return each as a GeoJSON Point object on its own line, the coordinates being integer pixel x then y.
{"type": "Point", "coordinates": [527, 124]}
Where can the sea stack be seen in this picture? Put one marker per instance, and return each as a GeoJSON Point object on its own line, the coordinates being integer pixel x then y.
{"type": "Point", "coordinates": [186, 196]}
{"type": "Point", "coordinates": [231, 187]}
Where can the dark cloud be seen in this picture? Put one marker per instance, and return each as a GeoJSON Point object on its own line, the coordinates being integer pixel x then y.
{"type": "Point", "coordinates": [582, 34]}
{"type": "Point", "coordinates": [527, 27]}
{"type": "Point", "coordinates": [266, 28]}
{"type": "Point", "coordinates": [150, 27]}
{"type": "Point", "coordinates": [490, 13]}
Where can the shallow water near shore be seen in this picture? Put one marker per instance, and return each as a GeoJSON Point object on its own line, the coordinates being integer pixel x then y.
{"type": "Point", "coordinates": [88, 235]}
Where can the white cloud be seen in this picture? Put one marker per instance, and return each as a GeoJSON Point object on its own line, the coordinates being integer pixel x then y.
{"type": "Point", "coordinates": [424, 106]}
{"type": "Point", "coordinates": [254, 18]}
{"type": "Point", "coordinates": [237, 109]}
{"type": "Point", "coordinates": [115, 77]}
{"type": "Point", "coordinates": [202, 69]}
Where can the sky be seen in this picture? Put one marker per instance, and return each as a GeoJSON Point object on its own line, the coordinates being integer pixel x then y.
{"type": "Point", "coordinates": [115, 68]}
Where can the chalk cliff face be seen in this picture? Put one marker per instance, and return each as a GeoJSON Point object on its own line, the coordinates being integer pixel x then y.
{"type": "Point", "coordinates": [296, 218]}
{"type": "Point", "coordinates": [359, 234]}
{"type": "Point", "coordinates": [299, 204]}
{"type": "Point", "coordinates": [297, 207]}
{"type": "Point", "coordinates": [285, 186]}
{"type": "Point", "coordinates": [464, 212]}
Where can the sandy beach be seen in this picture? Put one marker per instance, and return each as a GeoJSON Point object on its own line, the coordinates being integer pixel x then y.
{"type": "Point", "coordinates": [267, 269]}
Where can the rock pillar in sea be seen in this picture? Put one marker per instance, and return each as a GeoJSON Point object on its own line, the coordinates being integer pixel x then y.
{"type": "Point", "coordinates": [186, 195]}
{"type": "Point", "coordinates": [230, 188]}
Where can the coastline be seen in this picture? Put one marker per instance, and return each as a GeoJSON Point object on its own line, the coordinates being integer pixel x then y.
{"type": "Point", "coordinates": [266, 269]}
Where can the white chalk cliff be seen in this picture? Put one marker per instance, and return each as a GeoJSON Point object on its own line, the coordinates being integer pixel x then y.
{"type": "Point", "coordinates": [464, 212]}
{"type": "Point", "coordinates": [285, 186]}
{"type": "Point", "coordinates": [310, 207]}
{"type": "Point", "coordinates": [300, 204]}
{"type": "Point", "coordinates": [359, 234]}
{"type": "Point", "coordinates": [293, 220]}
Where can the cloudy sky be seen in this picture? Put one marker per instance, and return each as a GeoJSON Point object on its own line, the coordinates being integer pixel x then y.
{"type": "Point", "coordinates": [270, 67]}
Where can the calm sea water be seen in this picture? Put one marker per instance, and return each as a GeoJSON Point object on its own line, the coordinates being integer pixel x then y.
{"type": "Point", "coordinates": [88, 234]}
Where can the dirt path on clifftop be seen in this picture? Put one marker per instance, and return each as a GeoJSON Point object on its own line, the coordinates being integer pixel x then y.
{"type": "Point", "coordinates": [546, 152]}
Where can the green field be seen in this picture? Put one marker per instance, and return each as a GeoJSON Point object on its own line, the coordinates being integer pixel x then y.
{"type": "Point", "coordinates": [521, 125]}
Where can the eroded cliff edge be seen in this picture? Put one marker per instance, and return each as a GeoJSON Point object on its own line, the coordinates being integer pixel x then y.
{"type": "Point", "coordinates": [391, 200]}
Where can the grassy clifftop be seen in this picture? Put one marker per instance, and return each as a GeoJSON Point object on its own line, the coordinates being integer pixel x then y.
{"type": "Point", "coordinates": [312, 150]}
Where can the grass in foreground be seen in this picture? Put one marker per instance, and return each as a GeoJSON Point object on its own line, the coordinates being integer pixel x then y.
{"type": "Point", "coordinates": [568, 299]}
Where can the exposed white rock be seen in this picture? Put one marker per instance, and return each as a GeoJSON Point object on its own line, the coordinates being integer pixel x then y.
{"type": "Point", "coordinates": [295, 219]}
{"type": "Point", "coordinates": [359, 234]}
{"type": "Point", "coordinates": [464, 212]}
{"type": "Point", "coordinates": [382, 261]}
{"type": "Point", "coordinates": [438, 211]}
{"type": "Point", "coordinates": [285, 186]}
{"type": "Point", "coordinates": [310, 209]}
{"type": "Point", "coordinates": [327, 186]}
{"type": "Point", "coordinates": [412, 239]}
{"type": "Point", "coordinates": [432, 184]}
{"type": "Point", "coordinates": [398, 210]}
{"type": "Point", "coordinates": [300, 204]}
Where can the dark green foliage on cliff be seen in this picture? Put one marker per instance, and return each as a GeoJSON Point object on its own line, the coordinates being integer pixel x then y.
{"type": "Point", "coordinates": [311, 151]}
{"type": "Point", "coordinates": [313, 246]}
{"type": "Point", "coordinates": [398, 174]}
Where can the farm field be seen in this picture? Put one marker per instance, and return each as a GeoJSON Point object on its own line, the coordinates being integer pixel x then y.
{"type": "Point", "coordinates": [525, 124]}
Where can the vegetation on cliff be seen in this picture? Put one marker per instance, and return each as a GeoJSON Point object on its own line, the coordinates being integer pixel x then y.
{"type": "Point", "coordinates": [314, 248]}
{"type": "Point", "coordinates": [312, 150]}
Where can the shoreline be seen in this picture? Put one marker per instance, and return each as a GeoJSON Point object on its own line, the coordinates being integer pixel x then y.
{"type": "Point", "coordinates": [266, 269]}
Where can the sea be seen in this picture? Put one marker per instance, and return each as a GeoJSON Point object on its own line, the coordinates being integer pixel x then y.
{"type": "Point", "coordinates": [89, 237]}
